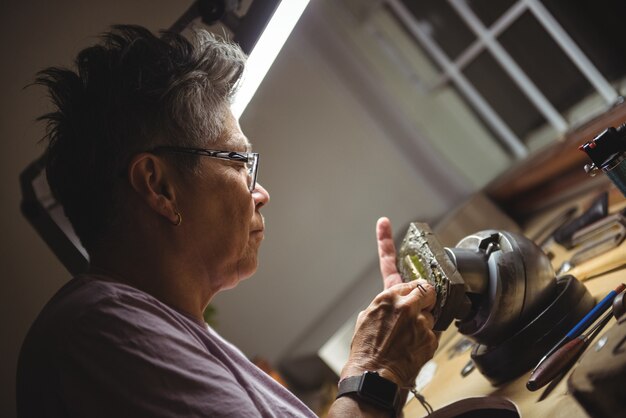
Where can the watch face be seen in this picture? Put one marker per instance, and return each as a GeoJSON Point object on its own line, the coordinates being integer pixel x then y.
{"type": "Point", "coordinates": [378, 389]}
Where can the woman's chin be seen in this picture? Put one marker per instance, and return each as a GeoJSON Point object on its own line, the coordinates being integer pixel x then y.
{"type": "Point", "coordinates": [246, 274]}
{"type": "Point", "coordinates": [246, 268]}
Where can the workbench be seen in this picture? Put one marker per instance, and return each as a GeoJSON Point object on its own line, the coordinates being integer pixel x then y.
{"type": "Point", "coordinates": [449, 386]}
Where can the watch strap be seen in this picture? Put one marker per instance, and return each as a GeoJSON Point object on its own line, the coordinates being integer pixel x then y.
{"type": "Point", "coordinates": [386, 399]}
{"type": "Point", "coordinates": [349, 385]}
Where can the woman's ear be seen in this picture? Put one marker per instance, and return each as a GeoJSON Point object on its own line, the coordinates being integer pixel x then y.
{"type": "Point", "coordinates": [153, 180]}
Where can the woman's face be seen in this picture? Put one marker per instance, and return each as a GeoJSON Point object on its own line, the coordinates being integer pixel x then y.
{"type": "Point", "coordinates": [221, 216]}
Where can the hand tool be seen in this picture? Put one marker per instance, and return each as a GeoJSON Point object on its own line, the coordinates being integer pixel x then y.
{"type": "Point", "coordinates": [566, 351]}
{"type": "Point", "coordinates": [564, 357]}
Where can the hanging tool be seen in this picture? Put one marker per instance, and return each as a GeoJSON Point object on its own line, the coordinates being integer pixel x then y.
{"type": "Point", "coordinates": [600, 264]}
{"type": "Point", "coordinates": [545, 234]}
{"type": "Point", "coordinates": [599, 209]}
{"type": "Point", "coordinates": [596, 239]}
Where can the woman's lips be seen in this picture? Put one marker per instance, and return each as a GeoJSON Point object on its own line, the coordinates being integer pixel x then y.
{"type": "Point", "coordinates": [259, 228]}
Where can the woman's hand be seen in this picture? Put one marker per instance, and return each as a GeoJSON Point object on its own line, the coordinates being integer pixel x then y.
{"type": "Point", "coordinates": [393, 335]}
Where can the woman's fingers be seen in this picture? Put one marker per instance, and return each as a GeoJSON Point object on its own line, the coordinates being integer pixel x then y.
{"type": "Point", "coordinates": [387, 253]}
{"type": "Point", "coordinates": [424, 293]}
{"type": "Point", "coordinates": [418, 292]}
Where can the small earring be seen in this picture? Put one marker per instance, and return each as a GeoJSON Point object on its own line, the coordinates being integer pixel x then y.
{"type": "Point", "coordinates": [179, 220]}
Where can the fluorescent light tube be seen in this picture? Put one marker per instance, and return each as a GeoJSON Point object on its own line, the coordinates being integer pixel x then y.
{"type": "Point", "coordinates": [265, 51]}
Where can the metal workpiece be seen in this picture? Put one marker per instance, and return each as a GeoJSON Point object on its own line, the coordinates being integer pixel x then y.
{"type": "Point", "coordinates": [421, 255]}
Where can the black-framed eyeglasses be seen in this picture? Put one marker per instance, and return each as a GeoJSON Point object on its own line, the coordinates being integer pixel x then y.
{"type": "Point", "coordinates": [250, 159]}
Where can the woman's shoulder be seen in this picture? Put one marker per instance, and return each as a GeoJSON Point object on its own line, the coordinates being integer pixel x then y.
{"type": "Point", "coordinates": [89, 303]}
{"type": "Point", "coordinates": [85, 294]}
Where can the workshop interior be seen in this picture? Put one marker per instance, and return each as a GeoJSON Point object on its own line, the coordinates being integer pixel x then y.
{"type": "Point", "coordinates": [503, 131]}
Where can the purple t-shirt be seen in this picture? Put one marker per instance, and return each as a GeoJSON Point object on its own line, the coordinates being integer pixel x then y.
{"type": "Point", "coordinates": [101, 348]}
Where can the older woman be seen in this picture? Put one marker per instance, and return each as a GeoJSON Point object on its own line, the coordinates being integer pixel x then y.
{"type": "Point", "coordinates": [159, 182]}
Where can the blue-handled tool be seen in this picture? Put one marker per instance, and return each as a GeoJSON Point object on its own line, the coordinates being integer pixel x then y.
{"type": "Point", "coordinates": [584, 323]}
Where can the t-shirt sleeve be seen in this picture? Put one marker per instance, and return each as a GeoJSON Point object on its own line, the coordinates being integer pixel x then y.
{"type": "Point", "coordinates": [128, 358]}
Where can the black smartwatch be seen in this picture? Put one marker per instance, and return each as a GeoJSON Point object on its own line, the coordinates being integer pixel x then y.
{"type": "Point", "coordinates": [372, 388]}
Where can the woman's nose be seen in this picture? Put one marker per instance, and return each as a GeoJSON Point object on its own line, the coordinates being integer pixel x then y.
{"type": "Point", "coordinates": [260, 195]}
